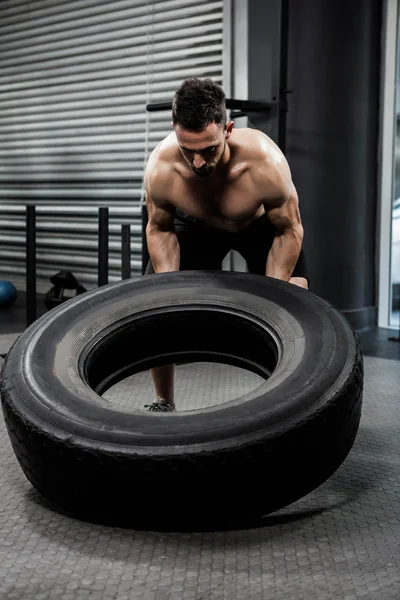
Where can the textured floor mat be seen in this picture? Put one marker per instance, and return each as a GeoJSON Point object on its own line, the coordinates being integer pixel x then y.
{"type": "Point", "coordinates": [341, 542]}
{"type": "Point", "coordinates": [197, 385]}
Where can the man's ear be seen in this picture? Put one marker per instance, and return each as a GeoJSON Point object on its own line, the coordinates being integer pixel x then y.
{"type": "Point", "coordinates": [228, 129]}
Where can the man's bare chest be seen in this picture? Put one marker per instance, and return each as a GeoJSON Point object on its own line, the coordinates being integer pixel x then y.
{"type": "Point", "coordinates": [217, 203]}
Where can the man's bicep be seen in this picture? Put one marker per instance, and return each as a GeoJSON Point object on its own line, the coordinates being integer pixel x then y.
{"type": "Point", "coordinates": [160, 213]}
{"type": "Point", "coordinates": [283, 209]}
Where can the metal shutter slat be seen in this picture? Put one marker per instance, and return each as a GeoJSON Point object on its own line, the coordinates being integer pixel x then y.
{"type": "Point", "coordinates": [74, 133]}
{"type": "Point", "coordinates": [207, 50]}
{"type": "Point", "coordinates": [132, 89]}
{"type": "Point", "coordinates": [92, 123]}
{"type": "Point", "coordinates": [92, 86]}
{"type": "Point", "coordinates": [41, 194]}
{"type": "Point", "coordinates": [88, 55]}
{"type": "Point", "coordinates": [65, 21]}
{"type": "Point", "coordinates": [115, 36]}
{"type": "Point", "coordinates": [20, 8]}
{"type": "Point", "coordinates": [32, 84]}
{"type": "Point", "coordinates": [61, 158]}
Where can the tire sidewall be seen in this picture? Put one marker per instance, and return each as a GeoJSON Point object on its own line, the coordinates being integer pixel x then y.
{"type": "Point", "coordinates": [45, 361]}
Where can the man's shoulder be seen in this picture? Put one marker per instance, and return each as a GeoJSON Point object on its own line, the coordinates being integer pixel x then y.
{"type": "Point", "coordinates": [161, 164]}
{"type": "Point", "coordinates": [164, 152]}
{"type": "Point", "coordinates": [257, 145]}
{"type": "Point", "coordinates": [266, 163]}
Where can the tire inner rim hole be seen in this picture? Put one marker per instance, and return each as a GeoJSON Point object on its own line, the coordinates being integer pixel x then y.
{"type": "Point", "coordinates": [180, 337]}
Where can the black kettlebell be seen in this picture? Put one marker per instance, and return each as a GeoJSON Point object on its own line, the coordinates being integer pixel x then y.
{"type": "Point", "coordinates": [64, 280]}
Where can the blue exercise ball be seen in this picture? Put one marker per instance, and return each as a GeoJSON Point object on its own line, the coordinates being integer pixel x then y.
{"type": "Point", "coordinates": [8, 294]}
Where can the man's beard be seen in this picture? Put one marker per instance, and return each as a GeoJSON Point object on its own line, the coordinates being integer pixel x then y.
{"type": "Point", "coordinates": [204, 171]}
{"type": "Point", "coordinates": [209, 168]}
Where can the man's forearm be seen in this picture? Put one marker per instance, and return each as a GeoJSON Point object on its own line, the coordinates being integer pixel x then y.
{"type": "Point", "coordinates": [284, 253]}
{"type": "Point", "coordinates": [164, 251]}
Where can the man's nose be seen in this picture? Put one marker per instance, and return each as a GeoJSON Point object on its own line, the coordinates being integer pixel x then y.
{"type": "Point", "coordinates": [198, 161]}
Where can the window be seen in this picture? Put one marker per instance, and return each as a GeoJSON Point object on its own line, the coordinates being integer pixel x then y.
{"type": "Point", "coordinates": [389, 161]}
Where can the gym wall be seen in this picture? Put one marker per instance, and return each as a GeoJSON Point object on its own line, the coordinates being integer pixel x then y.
{"type": "Point", "coordinates": [76, 76]}
{"type": "Point", "coordinates": [330, 65]}
{"type": "Point", "coordinates": [332, 140]}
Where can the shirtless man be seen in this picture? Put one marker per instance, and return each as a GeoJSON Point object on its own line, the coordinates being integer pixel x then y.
{"type": "Point", "coordinates": [211, 188]}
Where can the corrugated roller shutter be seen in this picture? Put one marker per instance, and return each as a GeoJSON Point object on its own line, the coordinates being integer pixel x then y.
{"type": "Point", "coordinates": [75, 77]}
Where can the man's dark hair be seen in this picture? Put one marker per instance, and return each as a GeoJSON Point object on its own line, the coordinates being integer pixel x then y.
{"type": "Point", "coordinates": [197, 103]}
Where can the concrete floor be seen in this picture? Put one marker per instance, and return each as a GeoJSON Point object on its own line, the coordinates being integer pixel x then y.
{"type": "Point", "coordinates": [342, 541]}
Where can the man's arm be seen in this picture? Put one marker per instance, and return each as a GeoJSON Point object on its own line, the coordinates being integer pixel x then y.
{"type": "Point", "coordinates": [162, 242]}
{"type": "Point", "coordinates": [283, 211]}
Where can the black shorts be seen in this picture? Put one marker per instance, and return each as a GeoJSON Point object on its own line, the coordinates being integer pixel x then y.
{"type": "Point", "coordinates": [204, 248]}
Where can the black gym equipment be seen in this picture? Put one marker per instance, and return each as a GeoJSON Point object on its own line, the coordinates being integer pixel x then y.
{"type": "Point", "coordinates": [55, 296]}
{"type": "Point", "coordinates": [102, 278]}
{"type": "Point", "coordinates": [242, 107]}
{"type": "Point", "coordinates": [31, 309]}
{"type": "Point", "coordinates": [288, 436]}
{"type": "Point", "coordinates": [64, 280]}
{"type": "Point", "coordinates": [125, 251]}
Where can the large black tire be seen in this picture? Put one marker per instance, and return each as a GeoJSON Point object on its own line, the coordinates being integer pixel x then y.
{"type": "Point", "coordinates": [258, 453]}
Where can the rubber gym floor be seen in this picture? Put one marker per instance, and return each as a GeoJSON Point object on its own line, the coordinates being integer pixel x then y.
{"type": "Point", "coordinates": [342, 541]}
